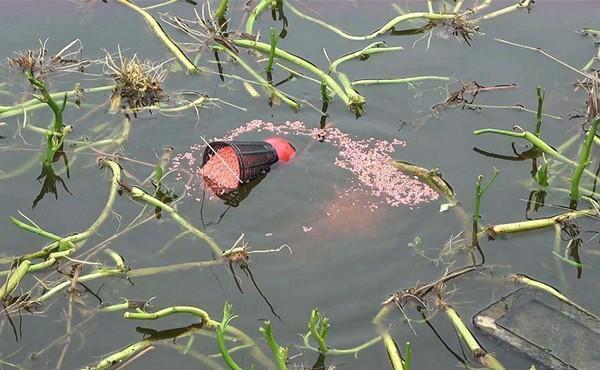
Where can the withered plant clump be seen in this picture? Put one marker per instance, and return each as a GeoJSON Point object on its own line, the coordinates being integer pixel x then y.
{"type": "Point", "coordinates": [37, 64]}
{"type": "Point", "coordinates": [139, 83]}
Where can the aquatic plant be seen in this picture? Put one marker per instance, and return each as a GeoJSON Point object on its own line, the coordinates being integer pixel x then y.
{"type": "Point", "coordinates": [138, 84]}
{"type": "Point", "coordinates": [36, 66]}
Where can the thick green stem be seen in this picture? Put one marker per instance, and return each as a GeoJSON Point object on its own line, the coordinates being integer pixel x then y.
{"type": "Point", "coordinates": [282, 54]}
{"type": "Point", "coordinates": [201, 314]}
{"type": "Point", "coordinates": [14, 278]}
{"type": "Point", "coordinates": [392, 350]}
{"type": "Point", "coordinates": [258, 9]}
{"type": "Point", "coordinates": [34, 104]}
{"type": "Point", "coordinates": [478, 352]}
{"type": "Point", "coordinates": [121, 356]}
{"type": "Point", "coordinates": [532, 138]}
{"type": "Point", "coordinates": [162, 35]}
{"type": "Point", "coordinates": [583, 161]}
{"type": "Point", "coordinates": [264, 83]}
{"type": "Point", "coordinates": [221, 11]}
{"type": "Point", "coordinates": [538, 224]}
{"type": "Point", "coordinates": [279, 352]}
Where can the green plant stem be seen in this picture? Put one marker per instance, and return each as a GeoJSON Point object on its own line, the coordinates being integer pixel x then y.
{"type": "Point", "coordinates": [258, 10]}
{"type": "Point", "coordinates": [345, 351]}
{"type": "Point", "coordinates": [522, 4]}
{"type": "Point", "coordinates": [279, 352]}
{"type": "Point", "coordinates": [524, 279]}
{"type": "Point", "coordinates": [407, 355]}
{"type": "Point", "coordinates": [354, 351]}
{"type": "Point", "coordinates": [282, 54]}
{"type": "Point", "coordinates": [139, 194]}
{"type": "Point", "coordinates": [269, 66]}
{"type": "Point", "coordinates": [224, 327]}
{"type": "Point", "coordinates": [318, 326]}
{"type": "Point", "coordinates": [479, 192]}
{"type": "Point", "coordinates": [371, 49]}
{"type": "Point", "coordinates": [126, 305]}
{"type": "Point", "coordinates": [115, 272]}
{"type": "Point", "coordinates": [225, 352]}
{"type": "Point", "coordinates": [407, 80]}
{"type": "Point", "coordinates": [534, 140]}
{"type": "Point", "coordinates": [35, 229]}
{"type": "Point", "coordinates": [121, 355]}
{"type": "Point", "coordinates": [56, 136]}
{"type": "Point", "coordinates": [71, 242]}
{"type": "Point", "coordinates": [538, 224]}
{"type": "Point", "coordinates": [538, 143]}
{"type": "Point", "coordinates": [162, 35]}
{"type": "Point", "coordinates": [390, 345]}
{"type": "Point", "coordinates": [49, 100]}
{"type": "Point", "coordinates": [380, 31]}
{"type": "Point", "coordinates": [201, 314]}
{"type": "Point", "coordinates": [356, 100]}
{"type": "Point", "coordinates": [478, 352]}
{"type": "Point", "coordinates": [34, 104]}
{"type": "Point", "coordinates": [263, 82]}
{"type": "Point", "coordinates": [538, 116]}
{"type": "Point", "coordinates": [583, 161]}
{"type": "Point", "coordinates": [13, 279]}
{"type": "Point", "coordinates": [221, 11]}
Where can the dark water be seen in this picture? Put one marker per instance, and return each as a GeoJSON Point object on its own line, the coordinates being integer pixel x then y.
{"type": "Point", "coordinates": [347, 265]}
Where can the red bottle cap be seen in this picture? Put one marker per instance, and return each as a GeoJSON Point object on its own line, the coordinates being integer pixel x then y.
{"type": "Point", "coordinates": [285, 150]}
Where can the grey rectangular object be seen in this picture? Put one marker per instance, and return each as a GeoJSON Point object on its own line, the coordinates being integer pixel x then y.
{"type": "Point", "coordinates": [554, 333]}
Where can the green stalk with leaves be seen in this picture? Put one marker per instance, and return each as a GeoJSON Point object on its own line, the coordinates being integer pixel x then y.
{"type": "Point", "coordinates": [280, 353]}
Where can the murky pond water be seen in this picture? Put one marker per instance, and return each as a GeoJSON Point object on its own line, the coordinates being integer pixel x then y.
{"type": "Point", "coordinates": [350, 243]}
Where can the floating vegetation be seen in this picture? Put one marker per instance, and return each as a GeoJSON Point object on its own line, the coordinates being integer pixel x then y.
{"type": "Point", "coordinates": [138, 84]}
{"type": "Point", "coordinates": [36, 66]}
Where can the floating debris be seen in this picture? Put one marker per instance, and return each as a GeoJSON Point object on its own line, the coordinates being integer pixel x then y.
{"type": "Point", "coordinates": [369, 160]}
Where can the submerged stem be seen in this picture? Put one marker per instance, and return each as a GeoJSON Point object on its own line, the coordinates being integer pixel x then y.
{"type": "Point", "coordinates": [282, 54]}
{"type": "Point", "coordinates": [162, 35]}
{"type": "Point", "coordinates": [139, 194]}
